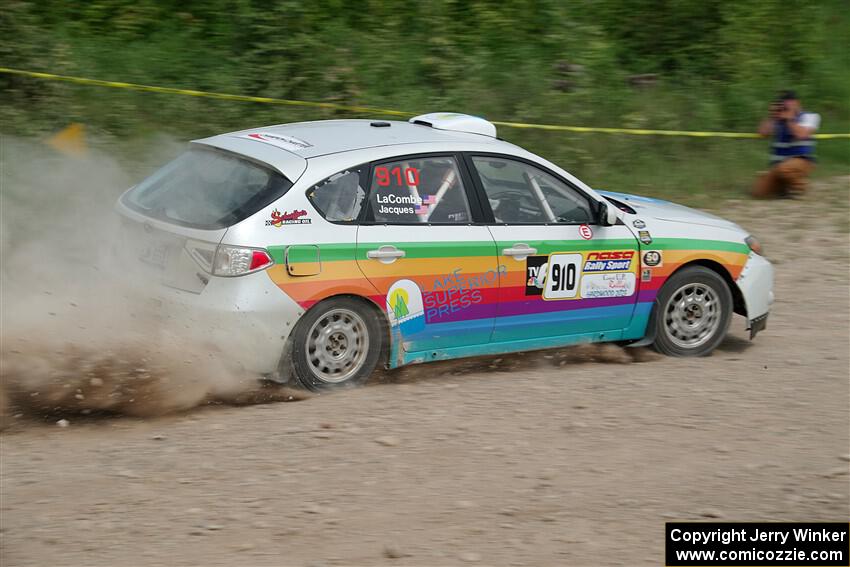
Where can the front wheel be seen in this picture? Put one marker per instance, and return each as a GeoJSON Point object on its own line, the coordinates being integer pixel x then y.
{"type": "Point", "coordinates": [694, 309]}
{"type": "Point", "coordinates": [336, 344]}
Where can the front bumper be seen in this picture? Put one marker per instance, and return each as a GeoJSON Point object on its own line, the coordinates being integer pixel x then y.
{"type": "Point", "coordinates": [246, 318]}
{"type": "Point", "coordinates": [756, 285]}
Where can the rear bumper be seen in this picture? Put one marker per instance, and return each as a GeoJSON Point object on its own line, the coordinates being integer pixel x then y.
{"type": "Point", "coordinates": [247, 318]}
{"type": "Point", "coordinates": [756, 285]}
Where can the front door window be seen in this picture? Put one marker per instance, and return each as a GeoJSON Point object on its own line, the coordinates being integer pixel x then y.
{"type": "Point", "coordinates": [520, 193]}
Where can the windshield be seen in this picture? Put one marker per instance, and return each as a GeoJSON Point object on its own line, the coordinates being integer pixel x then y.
{"type": "Point", "coordinates": [207, 189]}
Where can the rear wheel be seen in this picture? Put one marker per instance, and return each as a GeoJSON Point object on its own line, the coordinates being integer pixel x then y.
{"type": "Point", "coordinates": [694, 311]}
{"type": "Point", "coordinates": [337, 344]}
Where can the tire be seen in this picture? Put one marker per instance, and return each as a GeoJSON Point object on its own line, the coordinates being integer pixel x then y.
{"type": "Point", "coordinates": [693, 312]}
{"type": "Point", "coordinates": [337, 344]}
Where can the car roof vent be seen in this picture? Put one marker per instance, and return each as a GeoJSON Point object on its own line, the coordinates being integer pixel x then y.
{"type": "Point", "coordinates": [456, 123]}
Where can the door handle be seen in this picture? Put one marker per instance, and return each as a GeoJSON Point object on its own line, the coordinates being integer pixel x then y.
{"type": "Point", "coordinates": [385, 254]}
{"type": "Point", "coordinates": [519, 251]}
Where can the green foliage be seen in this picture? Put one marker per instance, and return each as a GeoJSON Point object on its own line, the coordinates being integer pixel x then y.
{"type": "Point", "coordinates": [716, 65]}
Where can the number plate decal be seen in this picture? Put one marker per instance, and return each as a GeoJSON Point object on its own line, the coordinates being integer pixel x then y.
{"type": "Point", "coordinates": [563, 276]}
{"type": "Point", "coordinates": [155, 255]}
{"type": "Point", "coordinates": [599, 274]}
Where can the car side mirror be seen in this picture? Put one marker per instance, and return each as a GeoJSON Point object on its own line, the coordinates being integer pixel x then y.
{"type": "Point", "coordinates": [606, 214]}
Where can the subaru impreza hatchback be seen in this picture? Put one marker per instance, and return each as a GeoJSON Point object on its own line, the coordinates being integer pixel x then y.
{"type": "Point", "coordinates": [323, 249]}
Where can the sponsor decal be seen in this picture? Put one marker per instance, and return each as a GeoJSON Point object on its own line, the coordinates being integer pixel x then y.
{"type": "Point", "coordinates": [562, 276]}
{"type": "Point", "coordinates": [596, 286]}
{"type": "Point", "coordinates": [646, 275]}
{"type": "Point", "coordinates": [455, 291]}
{"type": "Point", "coordinates": [637, 223]}
{"type": "Point", "coordinates": [609, 261]}
{"type": "Point", "coordinates": [651, 258]}
{"type": "Point", "coordinates": [405, 307]}
{"type": "Point", "coordinates": [644, 236]}
{"type": "Point", "coordinates": [585, 232]}
{"type": "Point", "coordinates": [283, 141]}
{"type": "Point", "coordinates": [535, 274]}
{"type": "Point", "coordinates": [279, 219]}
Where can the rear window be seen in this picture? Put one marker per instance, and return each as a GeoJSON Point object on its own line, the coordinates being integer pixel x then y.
{"type": "Point", "coordinates": [207, 189]}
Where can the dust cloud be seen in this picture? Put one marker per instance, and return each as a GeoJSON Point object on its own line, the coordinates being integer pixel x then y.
{"type": "Point", "coordinates": [77, 331]}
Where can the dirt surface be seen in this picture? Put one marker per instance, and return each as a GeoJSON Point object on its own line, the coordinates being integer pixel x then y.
{"type": "Point", "coordinates": [575, 457]}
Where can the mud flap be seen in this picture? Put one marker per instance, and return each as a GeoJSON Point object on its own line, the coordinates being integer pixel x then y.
{"type": "Point", "coordinates": [649, 338]}
{"type": "Point", "coordinates": [284, 372]}
{"type": "Point", "coordinates": [757, 324]}
{"type": "Point", "coordinates": [396, 348]}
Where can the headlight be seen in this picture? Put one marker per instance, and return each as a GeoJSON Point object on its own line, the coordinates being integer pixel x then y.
{"type": "Point", "coordinates": [754, 245]}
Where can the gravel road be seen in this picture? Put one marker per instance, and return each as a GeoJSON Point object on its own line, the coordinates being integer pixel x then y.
{"type": "Point", "coordinates": [573, 457]}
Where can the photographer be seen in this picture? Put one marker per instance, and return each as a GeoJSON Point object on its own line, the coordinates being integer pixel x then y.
{"type": "Point", "coordinates": [792, 152]}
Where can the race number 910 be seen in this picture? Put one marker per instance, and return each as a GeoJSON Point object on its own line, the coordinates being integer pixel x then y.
{"type": "Point", "coordinates": [563, 276]}
{"type": "Point", "coordinates": [384, 176]}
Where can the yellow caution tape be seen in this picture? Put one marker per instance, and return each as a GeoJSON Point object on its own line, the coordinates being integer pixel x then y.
{"type": "Point", "coordinates": [633, 131]}
{"type": "Point", "coordinates": [205, 94]}
{"type": "Point", "coordinates": [643, 132]}
{"type": "Point", "coordinates": [384, 111]}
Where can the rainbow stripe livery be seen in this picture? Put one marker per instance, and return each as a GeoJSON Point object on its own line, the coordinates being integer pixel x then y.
{"type": "Point", "coordinates": [487, 302]}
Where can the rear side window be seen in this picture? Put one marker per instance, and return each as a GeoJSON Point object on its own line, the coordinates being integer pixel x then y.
{"type": "Point", "coordinates": [207, 189]}
{"type": "Point", "coordinates": [339, 198]}
{"type": "Point", "coordinates": [421, 190]}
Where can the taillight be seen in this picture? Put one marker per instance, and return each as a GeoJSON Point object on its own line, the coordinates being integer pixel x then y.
{"type": "Point", "coordinates": [238, 261]}
{"type": "Point", "coordinates": [260, 259]}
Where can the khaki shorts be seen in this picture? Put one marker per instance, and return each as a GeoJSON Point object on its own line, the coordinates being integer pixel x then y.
{"type": "Point", "coordinates": [788, 178]}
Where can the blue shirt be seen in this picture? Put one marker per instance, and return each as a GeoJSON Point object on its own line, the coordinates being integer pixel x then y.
{"type": "Point", "coordinates": [786, 146]}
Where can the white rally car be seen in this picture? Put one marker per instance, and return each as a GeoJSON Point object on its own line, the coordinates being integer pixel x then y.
{"type": "Point", "coordinates": [326, 248]}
